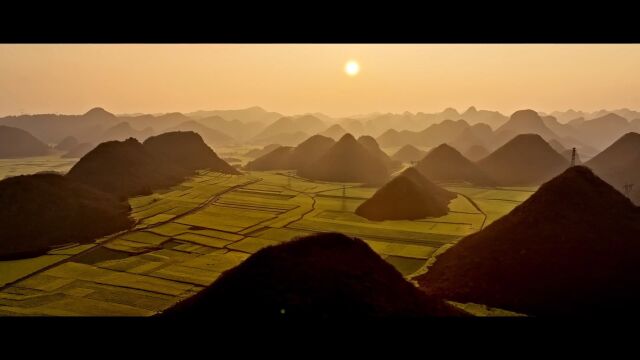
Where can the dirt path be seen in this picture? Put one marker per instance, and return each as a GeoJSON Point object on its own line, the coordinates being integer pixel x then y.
{"type": "Point", "coordinates": [477, 208]}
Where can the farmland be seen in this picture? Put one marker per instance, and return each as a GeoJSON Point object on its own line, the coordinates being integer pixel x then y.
{"type": "Point", "coordinates": [186, 236]}
{"type": "Point", "coordinates": [32, 165]}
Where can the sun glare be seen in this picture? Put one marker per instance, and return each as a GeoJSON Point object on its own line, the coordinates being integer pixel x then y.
{"type": "Point", "coordinates": [352, 68]}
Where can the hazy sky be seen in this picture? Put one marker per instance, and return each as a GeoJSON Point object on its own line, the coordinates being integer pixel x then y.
{"type": "Point", "coordinates": [308, 78]}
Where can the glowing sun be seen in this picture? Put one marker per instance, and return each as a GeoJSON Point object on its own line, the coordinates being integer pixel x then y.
{"type": "Point", "coordinates": [352, 68]}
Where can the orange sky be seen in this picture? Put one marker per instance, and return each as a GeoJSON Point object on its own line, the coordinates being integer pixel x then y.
{"type": "Point", "coordinates": [307, 78]}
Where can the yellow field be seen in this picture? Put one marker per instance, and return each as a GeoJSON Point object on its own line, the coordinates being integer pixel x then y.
{"type": "Point", "coordinates": [186, 236]}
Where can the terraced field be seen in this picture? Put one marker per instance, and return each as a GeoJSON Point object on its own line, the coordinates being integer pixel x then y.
{"type": "Point", "coordinates": [186, 236]}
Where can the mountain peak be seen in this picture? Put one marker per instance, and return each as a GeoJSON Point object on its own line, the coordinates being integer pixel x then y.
{"type": "Point", "coordinates": [347, 138]}
{"type": "Point", "coordinates": [98, 111]}
{"type": "Point", "coordinates": [471, 110]}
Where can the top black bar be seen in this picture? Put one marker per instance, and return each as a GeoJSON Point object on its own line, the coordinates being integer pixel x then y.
{"type": "Point", "coordinates": [315, 23]}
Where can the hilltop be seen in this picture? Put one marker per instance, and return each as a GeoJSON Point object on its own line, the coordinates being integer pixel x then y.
{"type": "Point", "coordinates": [128, 168]}
{"type": "Point", "coordinates": [278, 159]}
{"type": "Point", "coordinates": [347, 161]}
{"type": "Point", "coordinates": [408, 153]}
{"type": "Point", "coordinates": [446, 164]}
{"type": "Point", "coordinates": [209, 135]}
{"type": "Point", "coordinates": [408, 196]}
{"type": "Point", "coordinates": [323, 276]}
{"type": "Point", "coordinates": [570, 249]}
{"type": "Point", "coordinates": [372, 146]}
{"type": "Point", "coordinates": [526, 160]}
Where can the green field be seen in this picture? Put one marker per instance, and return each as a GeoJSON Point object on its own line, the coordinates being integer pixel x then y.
{"type": "Point", "coordinates": [186, 236]}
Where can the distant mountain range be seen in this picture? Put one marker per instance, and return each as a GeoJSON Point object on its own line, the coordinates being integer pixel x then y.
{"type": "Point", "coordinates": [588, 132]}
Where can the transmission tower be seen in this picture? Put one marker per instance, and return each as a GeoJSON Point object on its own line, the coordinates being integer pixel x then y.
{"type": "Point", "coordinates": [573, 157]}
{"type": "Point", "coordinates": [627, 189]}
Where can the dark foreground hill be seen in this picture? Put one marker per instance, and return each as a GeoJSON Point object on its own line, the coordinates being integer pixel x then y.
{"type": "Point", "coordinates": [79, 150]}
{"type": "Point", "coordinates": [446, 164]}
{"type": "Point", "coordinates": [317, 277]}
{"type": "Point", "coordinates": [18, 143]}
{"type": "Point", "coordinates": [347, 161]}
{"type": "Point", "coordinates": [44, 210]}
{"type": "Point", "coordinates": [572, 248]}
{"type": "Point", "coordinates": [408, 196]}
{"type": "Point", "coordinates": [525, 160]}
{"type": "Point", "coordinates": [128, 168]}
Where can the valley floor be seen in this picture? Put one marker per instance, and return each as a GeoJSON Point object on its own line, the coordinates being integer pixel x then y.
{"type": "Point", "coordinates": [188, 235]}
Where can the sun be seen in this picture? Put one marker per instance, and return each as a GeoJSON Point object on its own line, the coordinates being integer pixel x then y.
{"type": "Point", "coordinates": [352, 68]}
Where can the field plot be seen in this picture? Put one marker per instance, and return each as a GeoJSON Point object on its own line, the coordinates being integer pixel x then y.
{"type": "Point", "coordinates": [187, 235]}
{"type": "Point", "coordinates": [32, 165]}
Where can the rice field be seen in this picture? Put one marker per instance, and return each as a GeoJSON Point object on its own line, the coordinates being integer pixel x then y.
{"type": "Point", "coordinates": [186, 236]}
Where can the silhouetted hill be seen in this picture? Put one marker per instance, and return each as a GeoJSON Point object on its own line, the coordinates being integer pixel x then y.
{"type": "Point", "coordinates": [210, 136]}
{"type": "Point", "coordinates": [466, 140]}
{"type": "Point", "coordinates": [557, 146]}
{"type": "Point", "coordinates": [52, 128]}
{"type": "Point", "coordinates": [603, 131]}
{"type": "Point", "coordinates": [619, 154]}
{"type": "Point", "coordinates": [526, 160]}
{"type": "Point", "coordinates": [492, 118]}
{"type": "Point", "coordinates": [17, 143]}
{"type": "Point", "coordinates": [523, 122]}
{"type": "Point", "coordinates": [287, 125]}
{"type": "Point", "coordinates": [408, 196]}
{"type": "Point", "coordinates": [187, 150]}
{"type": "Point", "coordinates": [353, 126]}
{"type": "Point", "coordinates": [124, 131]}
{"type": "Point", "coordinates": [278, 159]}
{"type": "Point", "coordinates": [347, 161]}
{"type": "Point", "coordinates": [293, 158]}
{"type": "Point", "coordinates": [323, 276]}
{"type": "Point", "coordinates": [476, 153]}
{"type": "Point", "coordinates": [249, 115]}
{"type": "Point", "coordinates": [128, 168]}
{"type": "Point", "coordinates": [79, 150]}
{"type": "Point", "coordinates": [446, 164]}
{"type": "Point", "coordinates": [236, 129]}
{"type": "Point", "coordinates": [125, 168]}
{"type": "Point", "coordinates": [334, 131]}
{"type": "Point", "coordinates": [408, 153]}
{"type": "Point", "coordinates": [256, 153]}
{"type": "Point", "coordinates": [286, 139]}
{"type": "Point", "coordinates": [562, 130]}
{"type": "Point", "coordinates": [433, 135]}
{"type": "Point", "coordinates": [67, 144]}
{"type": "Point", "coordinates": [309, 151]}
{"type": "Point", "coordinates": [45, 210]}
{"type": "Point", "coordinates": [619, 164]}
{"type": "Point", "coordinates": [372, 145]}
{"type": "Point", "coordinates": [571, 249]}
